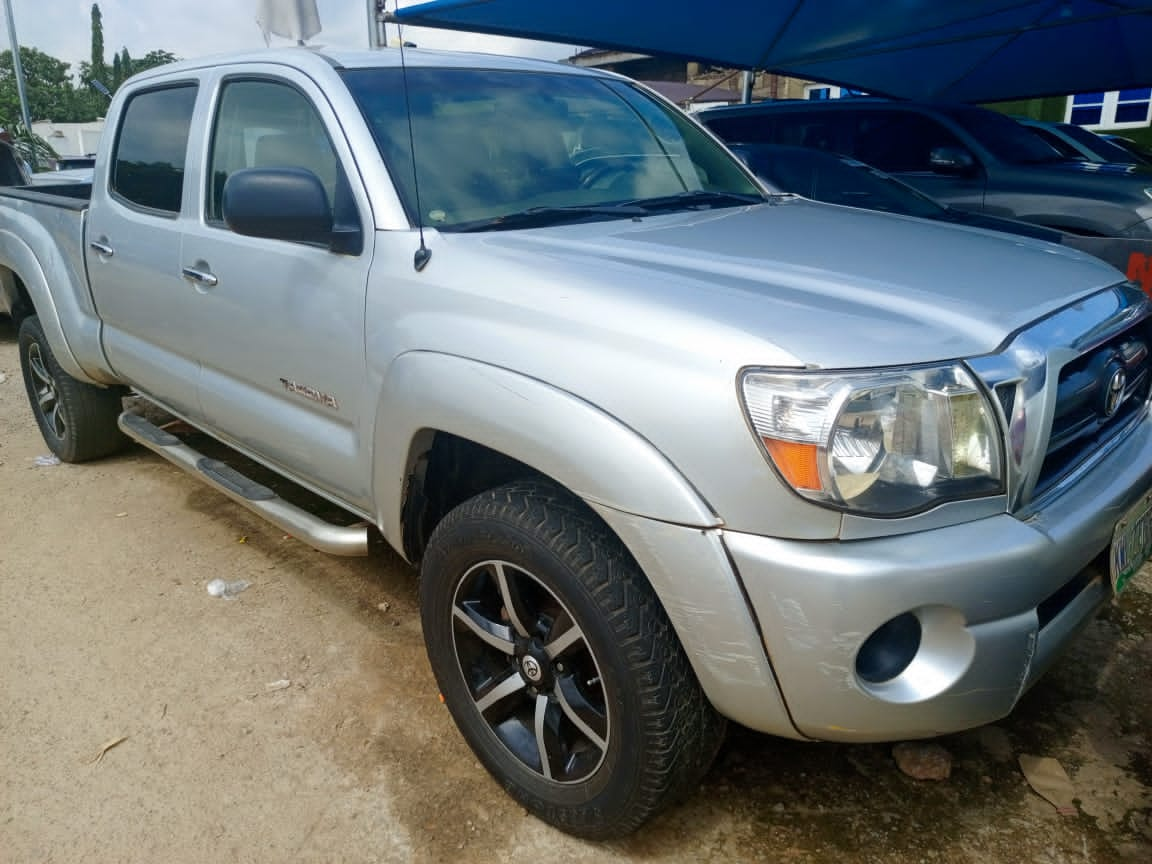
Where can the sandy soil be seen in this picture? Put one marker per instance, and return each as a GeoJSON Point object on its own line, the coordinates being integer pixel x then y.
{"type": "Point", "coordinates": [107, 634]}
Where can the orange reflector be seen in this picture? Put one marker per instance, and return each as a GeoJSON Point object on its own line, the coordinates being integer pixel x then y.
{"type": "Point", "coordinates": [797, 462]}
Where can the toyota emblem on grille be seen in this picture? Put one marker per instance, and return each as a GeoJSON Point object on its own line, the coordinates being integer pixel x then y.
{"type": "Point", "coordinates": [1114, 394]}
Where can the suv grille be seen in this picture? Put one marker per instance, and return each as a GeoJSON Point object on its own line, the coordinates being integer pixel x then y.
{"type": "Point", "coordinates": [1097, 394]}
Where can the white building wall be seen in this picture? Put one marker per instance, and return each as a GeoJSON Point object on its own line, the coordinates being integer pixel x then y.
{"type": "Point", "coordinates": [70, 139]}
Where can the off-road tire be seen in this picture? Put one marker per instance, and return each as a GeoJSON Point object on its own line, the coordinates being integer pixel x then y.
{"type": "Point", "coordinates": [77, 420]}
{"type": "Point", "coordinates": [660, 733]}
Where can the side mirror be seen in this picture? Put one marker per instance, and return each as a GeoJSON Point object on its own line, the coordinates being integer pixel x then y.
{"type": "Point", "coordinates": [278, 203]}
{"type": "Point", "coordinates": [951, 160]}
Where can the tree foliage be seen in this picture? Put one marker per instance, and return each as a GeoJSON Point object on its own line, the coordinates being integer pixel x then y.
{"type": "Point", "coordinates": [54, 95]}
{"type": "Point", "coordinates": [51, 94]}
{"type": "Point", "coordinates": [96, 63]}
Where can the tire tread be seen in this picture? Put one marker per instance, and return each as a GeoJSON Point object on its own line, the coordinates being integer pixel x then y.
{"type": "Point", "coordinates": [682, 731]}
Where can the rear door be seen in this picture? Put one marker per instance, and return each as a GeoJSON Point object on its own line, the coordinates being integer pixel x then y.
{"type": "Point", "coordinates": [282, 322]}
{"type": "Point", "coordinates": [133, 252]}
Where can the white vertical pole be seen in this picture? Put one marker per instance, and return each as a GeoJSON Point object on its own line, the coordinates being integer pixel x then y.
{"type": "Point", "coordinates": [746, 79]}
{"type": "Point", "coordinates": [17, 67]}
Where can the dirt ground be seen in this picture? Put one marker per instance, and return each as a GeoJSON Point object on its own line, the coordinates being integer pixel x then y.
{"type": "Point", "coordinates": [107, 634]}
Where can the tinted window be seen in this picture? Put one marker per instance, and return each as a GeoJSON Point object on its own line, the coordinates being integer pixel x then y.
{"type": "Point", "coordinates": [1003, 137]}
{"type": "Point", "coordinates": [1056, 142]}
{"type": "Point", "coordinates": [817, 129]}
{"type": "Point", "coordinates": [900, 140]}
{"type": "Point", "coordinates": [148, 165]}
{"type": "Point", "coordinates": [835, 179]}
{"type": "Point", "coordinates": [266, 124]}
{"type": "Point", "coordinates": [1102, 147]}
{"type": "Point", "coordinates": [493, 143]}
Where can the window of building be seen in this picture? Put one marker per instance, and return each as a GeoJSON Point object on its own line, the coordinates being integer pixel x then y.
{"type": "Point", "coordinates": [1115, 109]}
{"type": "Point", "coordinates": [148, 165]}
{"type": "Point", "coordinates": [821, 92]}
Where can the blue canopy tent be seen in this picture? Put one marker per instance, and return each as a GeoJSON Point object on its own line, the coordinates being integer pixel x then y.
{"type": "Point", "coordinates": [972, 51]}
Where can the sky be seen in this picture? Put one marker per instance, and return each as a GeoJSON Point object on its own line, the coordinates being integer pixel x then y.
{"type": "Point", "coordinates": [193, 28]}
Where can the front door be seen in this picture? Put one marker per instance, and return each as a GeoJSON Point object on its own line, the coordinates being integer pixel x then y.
{"type": "Point", "coordinates": [282, 353]}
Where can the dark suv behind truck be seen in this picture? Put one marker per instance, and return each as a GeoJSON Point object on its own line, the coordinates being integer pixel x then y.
{"type": "Point", "coordinates": [970, 158]}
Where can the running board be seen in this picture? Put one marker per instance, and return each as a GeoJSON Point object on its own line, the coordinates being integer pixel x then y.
{"type": "Point", "coordinates": [349, 541]}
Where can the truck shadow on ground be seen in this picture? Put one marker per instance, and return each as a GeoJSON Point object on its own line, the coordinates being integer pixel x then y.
{"type": "Point", "coordinates": [841, 802]}
{"type": "Point", "coordinates": [766, 799]}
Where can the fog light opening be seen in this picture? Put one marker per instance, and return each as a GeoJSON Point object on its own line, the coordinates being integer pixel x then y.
{"type": "Point", "coordinates": [890, 649]}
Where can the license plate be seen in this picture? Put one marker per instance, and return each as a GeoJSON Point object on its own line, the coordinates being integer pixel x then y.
{"type": "Point", "coordinates": [1131, 543]}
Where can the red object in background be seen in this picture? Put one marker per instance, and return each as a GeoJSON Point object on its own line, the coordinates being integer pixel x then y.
{"type": "Point", "coordinates": [1140, 270]}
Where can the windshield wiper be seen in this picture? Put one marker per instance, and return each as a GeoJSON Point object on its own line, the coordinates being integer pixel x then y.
{"type": "Point", "coordinates": [696, 199]}
{"type": "Point", "coordinates": [539, 217]}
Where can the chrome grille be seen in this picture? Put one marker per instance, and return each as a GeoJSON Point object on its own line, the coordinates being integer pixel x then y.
{"type": "Point", "coordinates": [1069, 387]}
{"type": "Point", "coordinates": [1097, 394]}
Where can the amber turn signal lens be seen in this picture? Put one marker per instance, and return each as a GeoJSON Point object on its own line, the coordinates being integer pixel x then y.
{"type": "Point", "coordinates": [797, 462]}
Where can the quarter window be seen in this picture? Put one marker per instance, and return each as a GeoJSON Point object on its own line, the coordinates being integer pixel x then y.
{"type": "Point", "coordinates": [266, 124]}
{"type": "Point", "coordinates": [148, 166]}
{"type": "Point", "coordinates": [1115, 109]}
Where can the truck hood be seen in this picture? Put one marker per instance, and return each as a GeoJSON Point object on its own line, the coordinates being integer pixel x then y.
{"type": "Point", "coordinates": [796, 282]}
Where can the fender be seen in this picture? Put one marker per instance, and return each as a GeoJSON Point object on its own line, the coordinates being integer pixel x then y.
{"type": "Point", "coordinates": [671, 531]}
{"type": "Point", "coordinates": [65, 321]}
{"type": "Point", "coordinates": [592, 454]}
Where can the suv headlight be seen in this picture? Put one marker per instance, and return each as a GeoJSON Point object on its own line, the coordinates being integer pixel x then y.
{"type": "Point", "coordinates": [883, 443]}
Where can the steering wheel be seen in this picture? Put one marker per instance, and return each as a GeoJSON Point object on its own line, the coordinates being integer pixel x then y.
{"type": "Point", "coordinates": [602, 172]}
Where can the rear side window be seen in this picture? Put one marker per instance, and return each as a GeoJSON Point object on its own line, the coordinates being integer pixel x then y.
{"type": "Point", "coordinates": [148, 165]}
{"type": "Point", "coordinates": [818, 130]}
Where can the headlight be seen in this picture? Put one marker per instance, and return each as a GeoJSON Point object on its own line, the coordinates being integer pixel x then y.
{"type": "Point", "coordinates": [882, 443]}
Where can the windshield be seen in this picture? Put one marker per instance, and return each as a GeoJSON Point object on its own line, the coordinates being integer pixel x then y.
{"type": "Point", "coordinates": [835, 179]}
{"type": "Point", "coordinates": [1102, 147]}
{"type": "Point", "coordinates": [492, 144]}
{"type": "Point", "coordinates": [1004, 138]}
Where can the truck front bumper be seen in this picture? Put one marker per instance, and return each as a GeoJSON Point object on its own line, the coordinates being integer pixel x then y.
{"type": "Point", "coordinates": [995, 601]}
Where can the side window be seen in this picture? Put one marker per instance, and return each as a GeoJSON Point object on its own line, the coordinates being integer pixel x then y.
{"type": "Point", "coordinates": [819, 130]}
{"type": "Point", "coordinates": [900, 140]}
{"type": "Point", "coordinates": [266, 124]}
{"type": "Point", "coordinates": [748, 128]}
{"type": "Point", "coordinates": [148, 165]}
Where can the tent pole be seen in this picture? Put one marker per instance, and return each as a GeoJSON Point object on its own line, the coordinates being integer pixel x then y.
{"type": "Point", "coordinates": [17, 67]}
{"type": "Point", "coordinates": [746, 79]}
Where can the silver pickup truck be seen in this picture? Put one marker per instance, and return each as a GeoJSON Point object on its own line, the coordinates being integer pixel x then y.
{"type": "Point", "coordinates": [667, 447]}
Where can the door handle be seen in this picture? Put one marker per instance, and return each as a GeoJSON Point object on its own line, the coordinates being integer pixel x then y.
{"type": "Point", "coordinates": [102, 248]}
{"type": "Point", "coordinates": [201, 276]}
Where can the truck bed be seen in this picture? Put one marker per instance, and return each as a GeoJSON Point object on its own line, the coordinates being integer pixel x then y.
{"type": "Point", "coordinates": [73, 196]}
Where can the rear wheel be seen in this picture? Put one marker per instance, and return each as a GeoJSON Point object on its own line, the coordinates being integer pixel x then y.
{"type": "Point", "coordinates": [558, 663]}
{"type": "Point", "coordinates": [77, 420]}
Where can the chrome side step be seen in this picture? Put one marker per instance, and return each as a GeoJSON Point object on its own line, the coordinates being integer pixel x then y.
{"type": "Point", "coordinates": [333, 539]}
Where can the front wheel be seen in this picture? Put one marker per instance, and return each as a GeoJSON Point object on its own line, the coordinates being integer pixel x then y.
{"type": "Point", "coordinates": [558, 663]}
{"type": "Point", "coordinates": [77, 420]}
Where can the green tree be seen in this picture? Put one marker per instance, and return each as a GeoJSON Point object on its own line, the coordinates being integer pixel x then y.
{"type": "Point", "coordinates": [153, 59]}
{"type": "Point", "coordinates": [51, 95]}
{"type": "Point", "coordinates": [96, 64]}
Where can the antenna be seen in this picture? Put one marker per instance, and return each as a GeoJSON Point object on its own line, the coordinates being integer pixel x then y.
{"type": "Point", "coordinates": [423, 254]}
